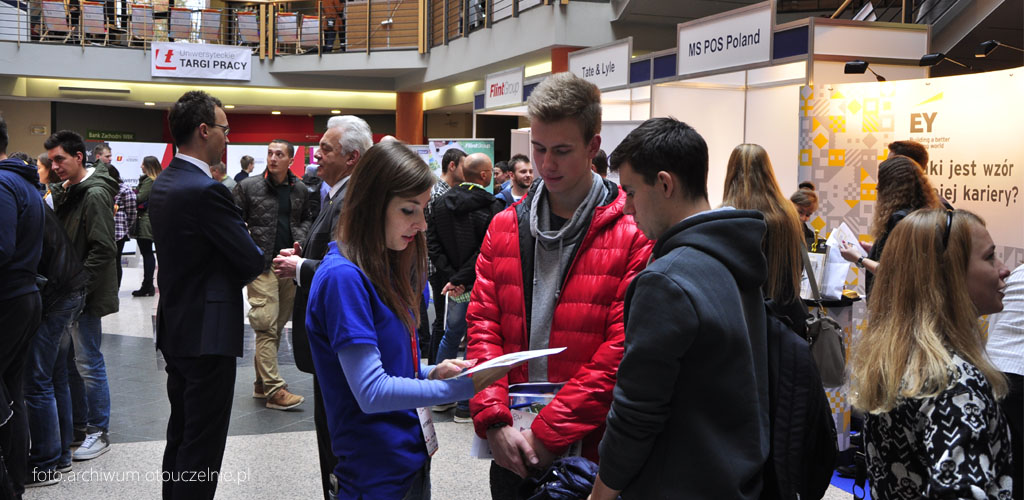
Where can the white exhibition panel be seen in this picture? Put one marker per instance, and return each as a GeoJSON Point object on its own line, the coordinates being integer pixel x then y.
{"type": "Point", "coordinates": [970, 124]}
{"type": "Point", "coordinates": [128, 156]}
{"type": "Point", "coordinates": [258, 152]}
{"type": "Point", "coordinates": [827, 72]}
{"type": "Point", "coordinates": [772, 124]}
{"type": "Point", "coordinates": [778, 73]}
{"type": "Point", "coordinates": [716, 114]}
{"type": "Point", "coordinates": [870, 42]}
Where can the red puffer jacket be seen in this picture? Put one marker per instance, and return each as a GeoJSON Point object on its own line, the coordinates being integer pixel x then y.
{"type": "Point", "coordinates": [587, 320]}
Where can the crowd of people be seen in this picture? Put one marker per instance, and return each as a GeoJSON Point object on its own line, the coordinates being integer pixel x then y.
{"type": "Point", "coordinates": [657, 298]}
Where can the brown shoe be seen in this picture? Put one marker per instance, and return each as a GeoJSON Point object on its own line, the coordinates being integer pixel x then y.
{"type": "Point", "coordinates": [284, 400]}
{"type": "Point", "coordinates": [257, 391]}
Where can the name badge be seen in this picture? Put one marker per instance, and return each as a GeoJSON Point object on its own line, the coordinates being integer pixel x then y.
{"type": "Point", "coordinates": [427, 425]}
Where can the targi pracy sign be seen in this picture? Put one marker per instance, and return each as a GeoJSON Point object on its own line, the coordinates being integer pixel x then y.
{"type": "Point", "coordinates": [191, 60]}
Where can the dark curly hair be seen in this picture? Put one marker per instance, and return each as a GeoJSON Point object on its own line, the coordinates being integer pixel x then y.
{"type": "Point", "coordinates": [901, 186]}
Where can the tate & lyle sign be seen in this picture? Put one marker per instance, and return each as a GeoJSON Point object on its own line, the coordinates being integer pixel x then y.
{"type": "Point", "coordinates": [606, 66]}
{"type": "Point", "coordinates": [735, 38]}
{"type": "Point", "coordinates": [504, 88]}
{"type": "Point", "coordinates": [206, 61]}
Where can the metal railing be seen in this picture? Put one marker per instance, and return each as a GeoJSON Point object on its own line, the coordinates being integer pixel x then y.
{"type": "Point", "coordinates": [270, 29]}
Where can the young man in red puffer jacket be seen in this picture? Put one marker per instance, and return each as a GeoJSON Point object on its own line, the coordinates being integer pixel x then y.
{"type": "Point", "coordinates": [552, 272]}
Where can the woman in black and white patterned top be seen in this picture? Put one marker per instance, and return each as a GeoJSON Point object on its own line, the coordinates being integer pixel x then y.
{"type": "Point", "coordinates": [933, 428]}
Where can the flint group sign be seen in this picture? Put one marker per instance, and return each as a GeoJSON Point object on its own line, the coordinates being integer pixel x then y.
{"type": "Point", "coordinates": [504, 88]}
{"type": "Point", "coordinates": [735, 38]}
{"type": "Point", "coordinates": [189, 60]}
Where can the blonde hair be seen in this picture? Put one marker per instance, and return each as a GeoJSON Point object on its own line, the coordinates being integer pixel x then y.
{"type": "Point", "coordinates": [902, 185]}
{"type": "Point", "coordinates": [565, 95]}
{"type": "Point", "coordinates": [750, 184]}
{"type": "Point", "coordinates": [920, 311]}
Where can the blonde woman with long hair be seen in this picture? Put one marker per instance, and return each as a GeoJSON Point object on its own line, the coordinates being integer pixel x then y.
{"type": "Point", "coordinates": [933, 428]}
{"type": "Point", "coordinates": [750, 185]}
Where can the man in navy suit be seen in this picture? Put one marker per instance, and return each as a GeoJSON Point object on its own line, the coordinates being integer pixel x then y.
{"type": "Point", "coordinates": [206, 256]}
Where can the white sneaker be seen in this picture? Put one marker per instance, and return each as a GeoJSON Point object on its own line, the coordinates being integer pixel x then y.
{"type": "Point", "coordinates": [443, 407]}
{"type": "Point", "coordinates": [94, 445]}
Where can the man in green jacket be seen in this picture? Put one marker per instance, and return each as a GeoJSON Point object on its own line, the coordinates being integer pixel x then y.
{"type": "Point", "coordinates": [84, 202]}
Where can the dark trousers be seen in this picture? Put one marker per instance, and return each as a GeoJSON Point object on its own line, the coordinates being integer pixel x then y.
{"type": "Point", "coordinates": [20, 317]}
{"type": "Point", "coordinates": [437, 283]}
{"type": "Point", "coordinates": [323, 439]}
{"type": "Point", "coordinates": [200, 391]}
{"type": "Point", "coordinates": [120, 251]}
{"type": "Point", "coordinates": [1013, 408]}
{"type": "Point", "coordinates": [148, 262]}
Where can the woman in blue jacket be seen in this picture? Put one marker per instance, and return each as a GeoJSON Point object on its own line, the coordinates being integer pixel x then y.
{"type": "Point", "coordinates": [362, 316]}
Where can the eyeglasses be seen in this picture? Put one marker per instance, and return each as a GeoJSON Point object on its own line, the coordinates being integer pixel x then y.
{"type": "Point", "coordinates": [227, 129]}
{"type": "Point", "coordinates": [945, 235]}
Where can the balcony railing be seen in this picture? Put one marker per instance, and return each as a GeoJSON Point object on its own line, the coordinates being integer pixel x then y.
{"type": "Point", "coordinates": [268, 27]}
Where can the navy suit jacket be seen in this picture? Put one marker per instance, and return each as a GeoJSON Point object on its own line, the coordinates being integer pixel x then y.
{"type": "Point", "coordinates": [314, 248]}
{"type": "Point", "coordinates": [206, 256]}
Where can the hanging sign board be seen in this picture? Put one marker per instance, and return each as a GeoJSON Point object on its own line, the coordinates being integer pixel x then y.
{"type": "Point", "coordinates": [606, 66]}
{"type": "Point", "coordinates": [205, 61]}
{"type": "Point", "coordinates": [735, 38]}
{"type": "Point", "coordinates": [504, 88]}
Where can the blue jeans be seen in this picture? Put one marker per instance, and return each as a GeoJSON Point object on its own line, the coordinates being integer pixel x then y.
{"type": "Point", "coordinates": [93, 370]}
{"type": "Point", "coordinates": [47, 395]}
{"type": "Point", "coordinates": [454, 332]}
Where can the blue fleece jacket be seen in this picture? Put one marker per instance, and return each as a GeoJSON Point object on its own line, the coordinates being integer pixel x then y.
{"type": "Point", "coordinates": [21, 228]}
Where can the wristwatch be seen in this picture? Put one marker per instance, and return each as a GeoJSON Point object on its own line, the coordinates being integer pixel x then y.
{"type": "Point", "coordinates": [860, 262]}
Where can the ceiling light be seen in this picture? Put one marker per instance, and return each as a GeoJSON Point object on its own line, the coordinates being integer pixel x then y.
{"type": "Point", "coordinates": [986, 48]}
{"type": "Point", "coordinates": [335, 111]}
{"type": "Point", "coordinates": [149, 103]}
{"type": "Point", "coordinates": [275, 112]}
{"type": "Point", "coordinates": [229, 106]}
{"type": "Point", "coordinates": [858, 67]}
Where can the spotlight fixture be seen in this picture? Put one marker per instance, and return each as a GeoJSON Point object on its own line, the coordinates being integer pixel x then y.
{"type": "Point", "coordinates": [335, 111]}
{"type": "Point", "coordinates": [149, 103]}
{"type": "Point", "coordinates": [229, 106]}
{"type": "Point", "coordinates": [986, 48]}
{"type": "Point", "coordinates": [275, 112]}
{"type": "Point", "coordinates": [858, 67]}
{"type": "Point", "coordinates": [936, 58]}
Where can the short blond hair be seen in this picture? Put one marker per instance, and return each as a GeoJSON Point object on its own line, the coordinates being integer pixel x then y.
{"type": "Point", "coordinates": [565, 95]}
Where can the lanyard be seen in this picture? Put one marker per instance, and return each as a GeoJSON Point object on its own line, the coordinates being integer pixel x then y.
{"type": "Point", "coordinates": [415, 356]}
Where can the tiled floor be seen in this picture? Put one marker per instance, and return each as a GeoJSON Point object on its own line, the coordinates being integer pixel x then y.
{"type": "Point", "coordinates": [270, 454]}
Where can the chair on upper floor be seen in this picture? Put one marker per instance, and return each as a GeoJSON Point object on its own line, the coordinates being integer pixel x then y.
{"type": "Point", "coordinates": [55, 21]}
{"type": "Point", "coordinates": [248, 28]}
{"type": "Point", "coordinates": [209, 26]}
{"type": "Point", "coordinates": [93, 22]}
{"type": "Point", "coordinates": [179, 27]}
{"type": "Point", "coordinates": [287, 26]}
{"type": "Point", "coordinates": [140, 24]}
{"type": "Point", "coordinates": [309, 34]}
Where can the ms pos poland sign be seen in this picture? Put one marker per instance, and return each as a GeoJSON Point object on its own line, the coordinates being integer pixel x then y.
{"type": "Point", "coordinates": [736, 38]}
{"type": "Point", "coordinates": [210, 62]}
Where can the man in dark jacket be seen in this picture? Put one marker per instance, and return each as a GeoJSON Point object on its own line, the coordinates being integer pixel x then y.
{"type": "Point", "coordinates": [84, 203]}
{"type": "Point", "coordinates": [206, 256]}
{"type": "Point", "coordinates": [278, 208]}
{"type": "Point", "coordinates": [689, 418]}
{"type": "Point", "coordinates": [456, 227]}
{"type": "Point", "coordinates": [21, 237]}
